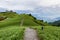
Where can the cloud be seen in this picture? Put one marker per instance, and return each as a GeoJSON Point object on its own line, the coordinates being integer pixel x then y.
{"type": "Point", "coordinates": [46, 8]}
{"type": "Point", "coordinates": [27, 4]}
{"type": "Point", "coordinates": [17, 5]}
{"type": "Point", "coordinates": [49, 2]}
{"type": "Point", "coordinates": [49, 12]}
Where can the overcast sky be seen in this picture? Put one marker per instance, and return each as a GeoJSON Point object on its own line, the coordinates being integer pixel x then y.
{"type": "Point", "coordinates": [27, 4]}
{"type": "Point", "coordinates": [33, 5]}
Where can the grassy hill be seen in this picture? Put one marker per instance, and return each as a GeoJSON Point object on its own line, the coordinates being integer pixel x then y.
{"type": "Point", "coordinates": [10, 28]}
{"type": "Point", "coordinates": [9, 14]}
{"type": "Point", "coordinates": [14, 19]}
{"type": "Point", "coordinates": [30, 20]}
{"type": "Point", "coordinates": [48, 33]}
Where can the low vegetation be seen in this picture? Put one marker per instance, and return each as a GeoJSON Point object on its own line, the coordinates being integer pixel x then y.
{"type": "Point", "coordinates": [11, 33]}
{"type": "Point", "coordinates": [10, 28]}
{"type": "Point", "coordinates": [48, 32]}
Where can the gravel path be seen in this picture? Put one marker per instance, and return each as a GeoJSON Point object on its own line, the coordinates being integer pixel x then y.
{"type": "Point", "coordinates": [30, 34]}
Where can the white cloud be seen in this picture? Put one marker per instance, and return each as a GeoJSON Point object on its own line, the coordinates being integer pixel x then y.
{"type": "Point", "coordinates": [27, 4]}
{"type": "Point", "coordinates": [17, 4]}
{"type": "Point", "coordinates": [32, 5]}
{"type": "Point", "coordinates": [49, 2]}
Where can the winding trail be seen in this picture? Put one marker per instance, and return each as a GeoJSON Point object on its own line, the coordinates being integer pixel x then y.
{"type": "Point", "coordinates": [30, 34]}
{"type": "Point", "coordinates": [21, 22]}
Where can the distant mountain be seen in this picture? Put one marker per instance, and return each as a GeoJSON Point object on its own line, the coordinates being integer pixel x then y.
{"type": "Point", "coordinates": [56, 23]}
{"type": "Point", "coordinates": [58, 18]}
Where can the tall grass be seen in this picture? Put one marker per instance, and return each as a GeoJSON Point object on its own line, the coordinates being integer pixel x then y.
{"type": "Point", "coordinates": [10, 22]}
{"type": "Point", "coordinates": [48, 33]}
{"type": "Point", "coordinates": [11, 33]}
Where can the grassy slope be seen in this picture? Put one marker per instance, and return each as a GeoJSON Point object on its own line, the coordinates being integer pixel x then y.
{"type": "Point", "coordinates": [49, 32]}
{"type": "Point", "coordinates": [29, 21]}
{"type": "Point", "coordinates": [9, 14]}
{"type": "Point", "coordinates": [10, 28]}
{"type": "Point", "coordinates": [11, 33]}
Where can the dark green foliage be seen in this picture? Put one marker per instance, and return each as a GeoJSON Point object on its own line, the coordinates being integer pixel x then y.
{"type": "Point", "coordinates": [30, 15]}
{"type": "Point", "coordinates": [2, 18]}
{"type": "Point", "coordinates": [41, 22]}
{"type": "Point", "coordinates": [56, 23]}
{"type": "Point", "coordinates": [34, 18]}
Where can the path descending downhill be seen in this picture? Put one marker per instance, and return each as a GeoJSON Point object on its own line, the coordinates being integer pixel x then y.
{"type": "Point", "coordinates": [30, 34]}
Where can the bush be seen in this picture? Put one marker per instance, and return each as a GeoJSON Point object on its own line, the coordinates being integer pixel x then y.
{"type": "Point", "coordinates": [2, 18]}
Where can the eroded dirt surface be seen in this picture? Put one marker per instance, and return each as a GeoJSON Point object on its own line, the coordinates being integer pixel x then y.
{"type": "Point", "coordinates": [30, 34]}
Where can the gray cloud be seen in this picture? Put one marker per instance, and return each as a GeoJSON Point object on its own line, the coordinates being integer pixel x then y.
{"type": "Point", "coordinates": [44, 8]}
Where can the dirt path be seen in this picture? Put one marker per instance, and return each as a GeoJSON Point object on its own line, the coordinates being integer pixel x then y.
{"type": "Point", "coordinates": [30, 34]}
{"type": "Point", "coordinates": [21, 22]}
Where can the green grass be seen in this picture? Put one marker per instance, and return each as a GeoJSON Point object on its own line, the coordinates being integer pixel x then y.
{"type": "Point", "coordinates": [49, 32]}
{"type": "Point", "coordinates": [29, 21]}
{"type": "Point", "coordinates": [11, 33]}
{"type": "Point", "coordinates": [10, 22]}
{"type": "Point", "coordinates": [15, 19]}
{"type": "Point", "coordinates": [10, 28]}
